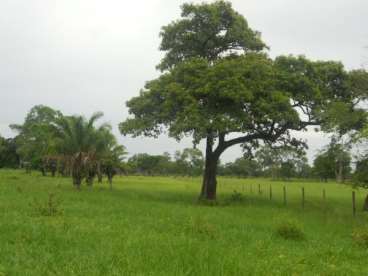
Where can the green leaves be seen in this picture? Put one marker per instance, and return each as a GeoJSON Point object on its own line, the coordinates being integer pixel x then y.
{"type": "Point", "coordinates": [36, 135]}
{"type": "Point", "coordinates": [234, 94]}
{"type": "Point", "coordinates": [47, 132]}
{"type": "Point", "coordinates": [207, 31]}
{"type": "Point", "coordinates": [216, 83]}
{"type": "Point", "coordinates": [77, 134]}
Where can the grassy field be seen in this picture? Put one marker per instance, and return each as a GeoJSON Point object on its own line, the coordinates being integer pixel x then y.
{"type": "Point", "coordinates": [155, 226]}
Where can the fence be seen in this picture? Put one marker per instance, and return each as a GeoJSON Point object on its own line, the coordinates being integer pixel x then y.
{"type": "Point", "coordinates": [303, 195]}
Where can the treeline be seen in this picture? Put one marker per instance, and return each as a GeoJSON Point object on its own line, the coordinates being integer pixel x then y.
{"type": "Point", "coordinates": [54, 143]}
{"type": "Point", "coordinates": [334, 162]}
{"type": "Point", "coordinates": [74, 146]}
{"type": "Point", "coordinates": [188, 162]}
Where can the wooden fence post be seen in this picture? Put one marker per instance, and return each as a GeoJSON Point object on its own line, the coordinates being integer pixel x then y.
{"type": "Point", "coordinates": [284, 195]}
{"type": "Point", "coordinates": [303, 197]}
{"type": "Point", "coordinates": [353, 202]}
{"type": "Point", "coordinates": [259, 189]}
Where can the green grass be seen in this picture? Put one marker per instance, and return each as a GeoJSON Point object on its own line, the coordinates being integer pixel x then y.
{"type": "Point", "coordinates": [155, 226]}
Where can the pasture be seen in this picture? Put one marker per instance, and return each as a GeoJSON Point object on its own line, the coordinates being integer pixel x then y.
{"type": "Point", "coordinates": [155, 226]}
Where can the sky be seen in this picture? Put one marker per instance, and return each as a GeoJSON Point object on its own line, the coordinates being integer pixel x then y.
{"type": "Point", "coordinates": [82, 56]}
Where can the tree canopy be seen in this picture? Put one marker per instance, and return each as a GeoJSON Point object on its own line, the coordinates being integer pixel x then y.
{"type": "Point", "coordinates": [208, 31]}
{"type": "Point", "coordinates": [333, 162]}
{"type": "Point", "coordinates": [216, 83]}
{"type": "Point", "coordinates": [36, 135]}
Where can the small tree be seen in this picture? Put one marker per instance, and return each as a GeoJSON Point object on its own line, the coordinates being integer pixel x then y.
{"type": "Point", "coordinates": [111, 161]}
{"type": "Point", "coordinates": [189, 162]}
{"type": "Point", "coordinates": [9, 157]}
{"type": "Point", "coordinates": [241, 167]}
{"type": "Point", "coordinates": [84, 143]}
{"type": "Point", "coordinates": [333, 162]}
{"type": "Point", "coordinates": [287, 169]}
{"type": "Point", "coordinates": [36, 136]}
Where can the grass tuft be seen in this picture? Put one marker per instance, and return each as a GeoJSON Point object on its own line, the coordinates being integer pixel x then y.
{"type": "Point", "coordinates": [236, 196]}
{"type": "Point", "coordinates": [360, 236]}
{"type": "Point", "coordinates": [290, 230]}
{"type": "Point", "coordinates": [51, 207]}
{"type": "Point", "coordinates": [200, 226]}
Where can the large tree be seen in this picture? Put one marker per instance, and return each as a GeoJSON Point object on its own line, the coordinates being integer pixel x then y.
{"type": "Point", "coordinates": [217, 85]}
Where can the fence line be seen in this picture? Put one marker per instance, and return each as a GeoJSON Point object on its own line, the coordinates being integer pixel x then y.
{"type": "Point", "coordinates": [303, 196]}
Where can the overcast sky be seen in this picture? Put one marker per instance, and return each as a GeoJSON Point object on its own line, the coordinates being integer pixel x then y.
{"type": "Point", "coordinates": [81, 56]}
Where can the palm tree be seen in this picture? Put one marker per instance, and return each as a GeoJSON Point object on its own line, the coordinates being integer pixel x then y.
{"type": "Point", "coordinates": [83, 143]}
{"type": "Point", "coordinates": [111, 161]}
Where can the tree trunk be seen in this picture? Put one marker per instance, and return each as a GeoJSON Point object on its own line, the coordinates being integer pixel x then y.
{"type": "Point", "coordinates": [339, 172]}
{"type": "Point", "coordinates": [89, 180]}
{"type": "Point", "coordinates": [365, 206]}
{"type": "Point", "coordinates": [209, 184]}
{"type": "Point", "coordinates": [43, 171]}
{"type": "Point", "coordinates": [99, 172]}
{"type": "Point", "coordinates": [77, 171]}
{"type": "Point", "coordinates": [273, 172]}
{"type": "Point", "coordinates": [78, 182]}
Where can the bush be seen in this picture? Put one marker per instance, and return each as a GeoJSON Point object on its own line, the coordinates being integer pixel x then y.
{"type": "Point", "coordinates": [290, 230]}
{"type": "Point", "coordinates": [360, 236]}
{"type": "Point", "coordinates": [236, 196]}
{"type": "Point", "coordinates": [49, 208]}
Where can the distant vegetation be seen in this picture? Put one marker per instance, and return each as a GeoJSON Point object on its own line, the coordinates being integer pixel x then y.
{"type": "Point", "coordinates": [56, 144]}
{"type": "Point", "coordinates": [69, 145]}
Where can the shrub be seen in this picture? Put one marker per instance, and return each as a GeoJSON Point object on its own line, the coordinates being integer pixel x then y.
{"type": "Point", "coordinates": [360, 236]}
{"type": "Point", "coordinates": [290, 230]}
{"type": "Point", "coordinates": [49, 208]}
{"type": "Point", "coordinates": [236, 196]}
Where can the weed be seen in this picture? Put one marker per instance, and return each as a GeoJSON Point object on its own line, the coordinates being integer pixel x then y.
{"type": "Point", "coordinates": [360, 236]}
{"type": "Point", "coordinates": [236, 196]}
{"type": "Point", "coordinates": [49, 208]}
{"type": "Point", "coordinates": [201, 226]}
